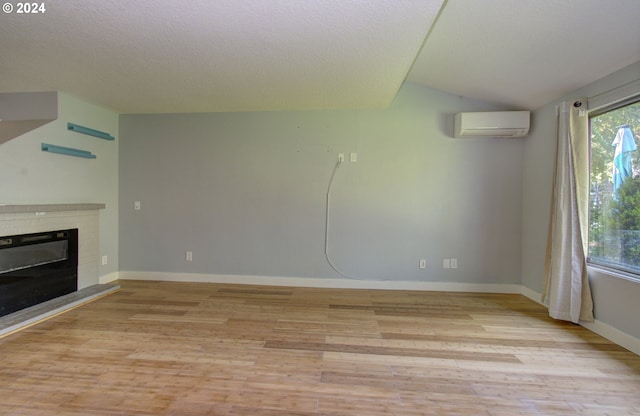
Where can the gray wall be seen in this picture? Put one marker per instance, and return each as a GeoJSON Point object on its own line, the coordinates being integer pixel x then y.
{"type": "Point", "coordinates": [615, 299]}
{"type": "Point", "coordinates": [30, 176]}
{"type": "Point", "coordinates": [246, 193]}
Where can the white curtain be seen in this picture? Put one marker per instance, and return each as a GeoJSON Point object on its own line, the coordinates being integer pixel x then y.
{"type": "Point", "coordinates": [566, 286]}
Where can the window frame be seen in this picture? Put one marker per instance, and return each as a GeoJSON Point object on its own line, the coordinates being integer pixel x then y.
{"type": "Point", "coordinates": [616, 269]}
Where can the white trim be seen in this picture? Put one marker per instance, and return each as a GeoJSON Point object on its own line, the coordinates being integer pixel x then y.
{"type": "Point", "coordinates": [613, 334]}
{"type": "Point", "coordinates": [604, 330]}
{"type": "Point", "coordinates": [108, 278]}
{"type": "Point", "coordinates": [532, 294]}
{"type": "Point", "coordinates": [609, 271]}
{"type": "Point", "coordinates": [323, 283]}
{"type": "Point", "coordinates": [614, 95]}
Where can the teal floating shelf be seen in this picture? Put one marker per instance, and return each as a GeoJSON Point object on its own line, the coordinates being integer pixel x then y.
{"type": "Point", "coordinates": [90, 132]}
{"type": "Point", "coordinates": [69, 151]}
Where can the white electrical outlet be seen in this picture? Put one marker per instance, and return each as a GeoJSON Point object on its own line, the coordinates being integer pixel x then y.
{"type": "Point", "coordinates": [188, 256]}
{"type": "Point", "coordinates": [104, 260]}
{"type": "Point", "coordinates": [446, 263]}
{"type": "Point", "coordinates": [454, 263]}
{"type": "Point", "coordinates": [423, 264]}
{"type": "Point", "coordinates": [353, 157]}
{"type": "Point", "coordinates": [136, 205]}
{"type": "Point", "coordinates": [340, 157]}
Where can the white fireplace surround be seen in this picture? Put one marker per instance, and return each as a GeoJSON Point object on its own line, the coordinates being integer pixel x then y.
{"type": "Point", "coordinates": [25, 219]}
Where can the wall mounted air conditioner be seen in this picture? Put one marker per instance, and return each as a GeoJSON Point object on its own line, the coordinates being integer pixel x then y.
{"type": "Point", "coordinates": [491, 124]}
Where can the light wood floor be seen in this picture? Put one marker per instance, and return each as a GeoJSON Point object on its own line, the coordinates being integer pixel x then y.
{"type": "Point", "coordinates": [158, 348]}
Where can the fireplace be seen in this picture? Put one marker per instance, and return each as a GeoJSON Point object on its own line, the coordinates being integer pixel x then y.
{"type": "Point", "coordinates": [37, 267]}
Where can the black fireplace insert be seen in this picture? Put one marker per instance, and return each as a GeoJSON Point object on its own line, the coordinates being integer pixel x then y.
{"type": "Point", "coordinates": [37, 267]}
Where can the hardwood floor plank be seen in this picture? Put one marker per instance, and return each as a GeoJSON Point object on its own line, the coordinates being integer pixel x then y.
{"type": "Point", "coordinates": [390, 351]}
{"type": "Point", "coordinates": [167, 348]}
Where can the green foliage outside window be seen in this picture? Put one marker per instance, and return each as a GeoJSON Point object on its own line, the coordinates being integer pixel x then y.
{"type": "Point", "coordinates": [614, 220]}
{"type": "Point", "coordinates": [625, 218]}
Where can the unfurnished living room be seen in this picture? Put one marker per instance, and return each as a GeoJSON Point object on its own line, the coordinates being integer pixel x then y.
{"type": "Point", "coordinates": [319, 207]}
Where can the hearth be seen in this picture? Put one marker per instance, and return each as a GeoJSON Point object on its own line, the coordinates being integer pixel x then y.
{"type": "Point", "coordinates": [37, 267]}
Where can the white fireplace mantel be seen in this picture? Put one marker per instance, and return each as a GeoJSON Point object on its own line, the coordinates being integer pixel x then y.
{"type": "Point", "coordinates": [25, 219]}
{"type": "Point", "coordinates": [35, 208]}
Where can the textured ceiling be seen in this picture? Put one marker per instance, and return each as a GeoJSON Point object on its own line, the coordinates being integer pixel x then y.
{"type": "Point", "coordinates": [527, 53]}
{"type": "Point", "coordinates": [158, 56]}
{"type": "Point", "coordinates": [148, 56]}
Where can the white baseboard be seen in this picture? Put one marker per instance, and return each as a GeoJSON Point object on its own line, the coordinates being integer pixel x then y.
{"type": "Point", "coordinates": [605, 330]}
{"type": "Point", "coordinates": [323, 283]}
{"type": "Point", "coordinates": [613, 334]}
{"type": "Point", "coordinates": [108, 278]}
{"type": "Point", "coordinates": [532, 294]}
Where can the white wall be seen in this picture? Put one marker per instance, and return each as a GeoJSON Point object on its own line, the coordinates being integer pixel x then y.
{"type": "Point", "coordinates": [30, 176]}
{"type": "Point", "coordinates": [246, 193]}
{"type": "Point", "coordinates": [615, 299]}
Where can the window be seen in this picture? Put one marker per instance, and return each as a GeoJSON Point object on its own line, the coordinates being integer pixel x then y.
{"type": "Point", "coordinates": [614, 205]}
